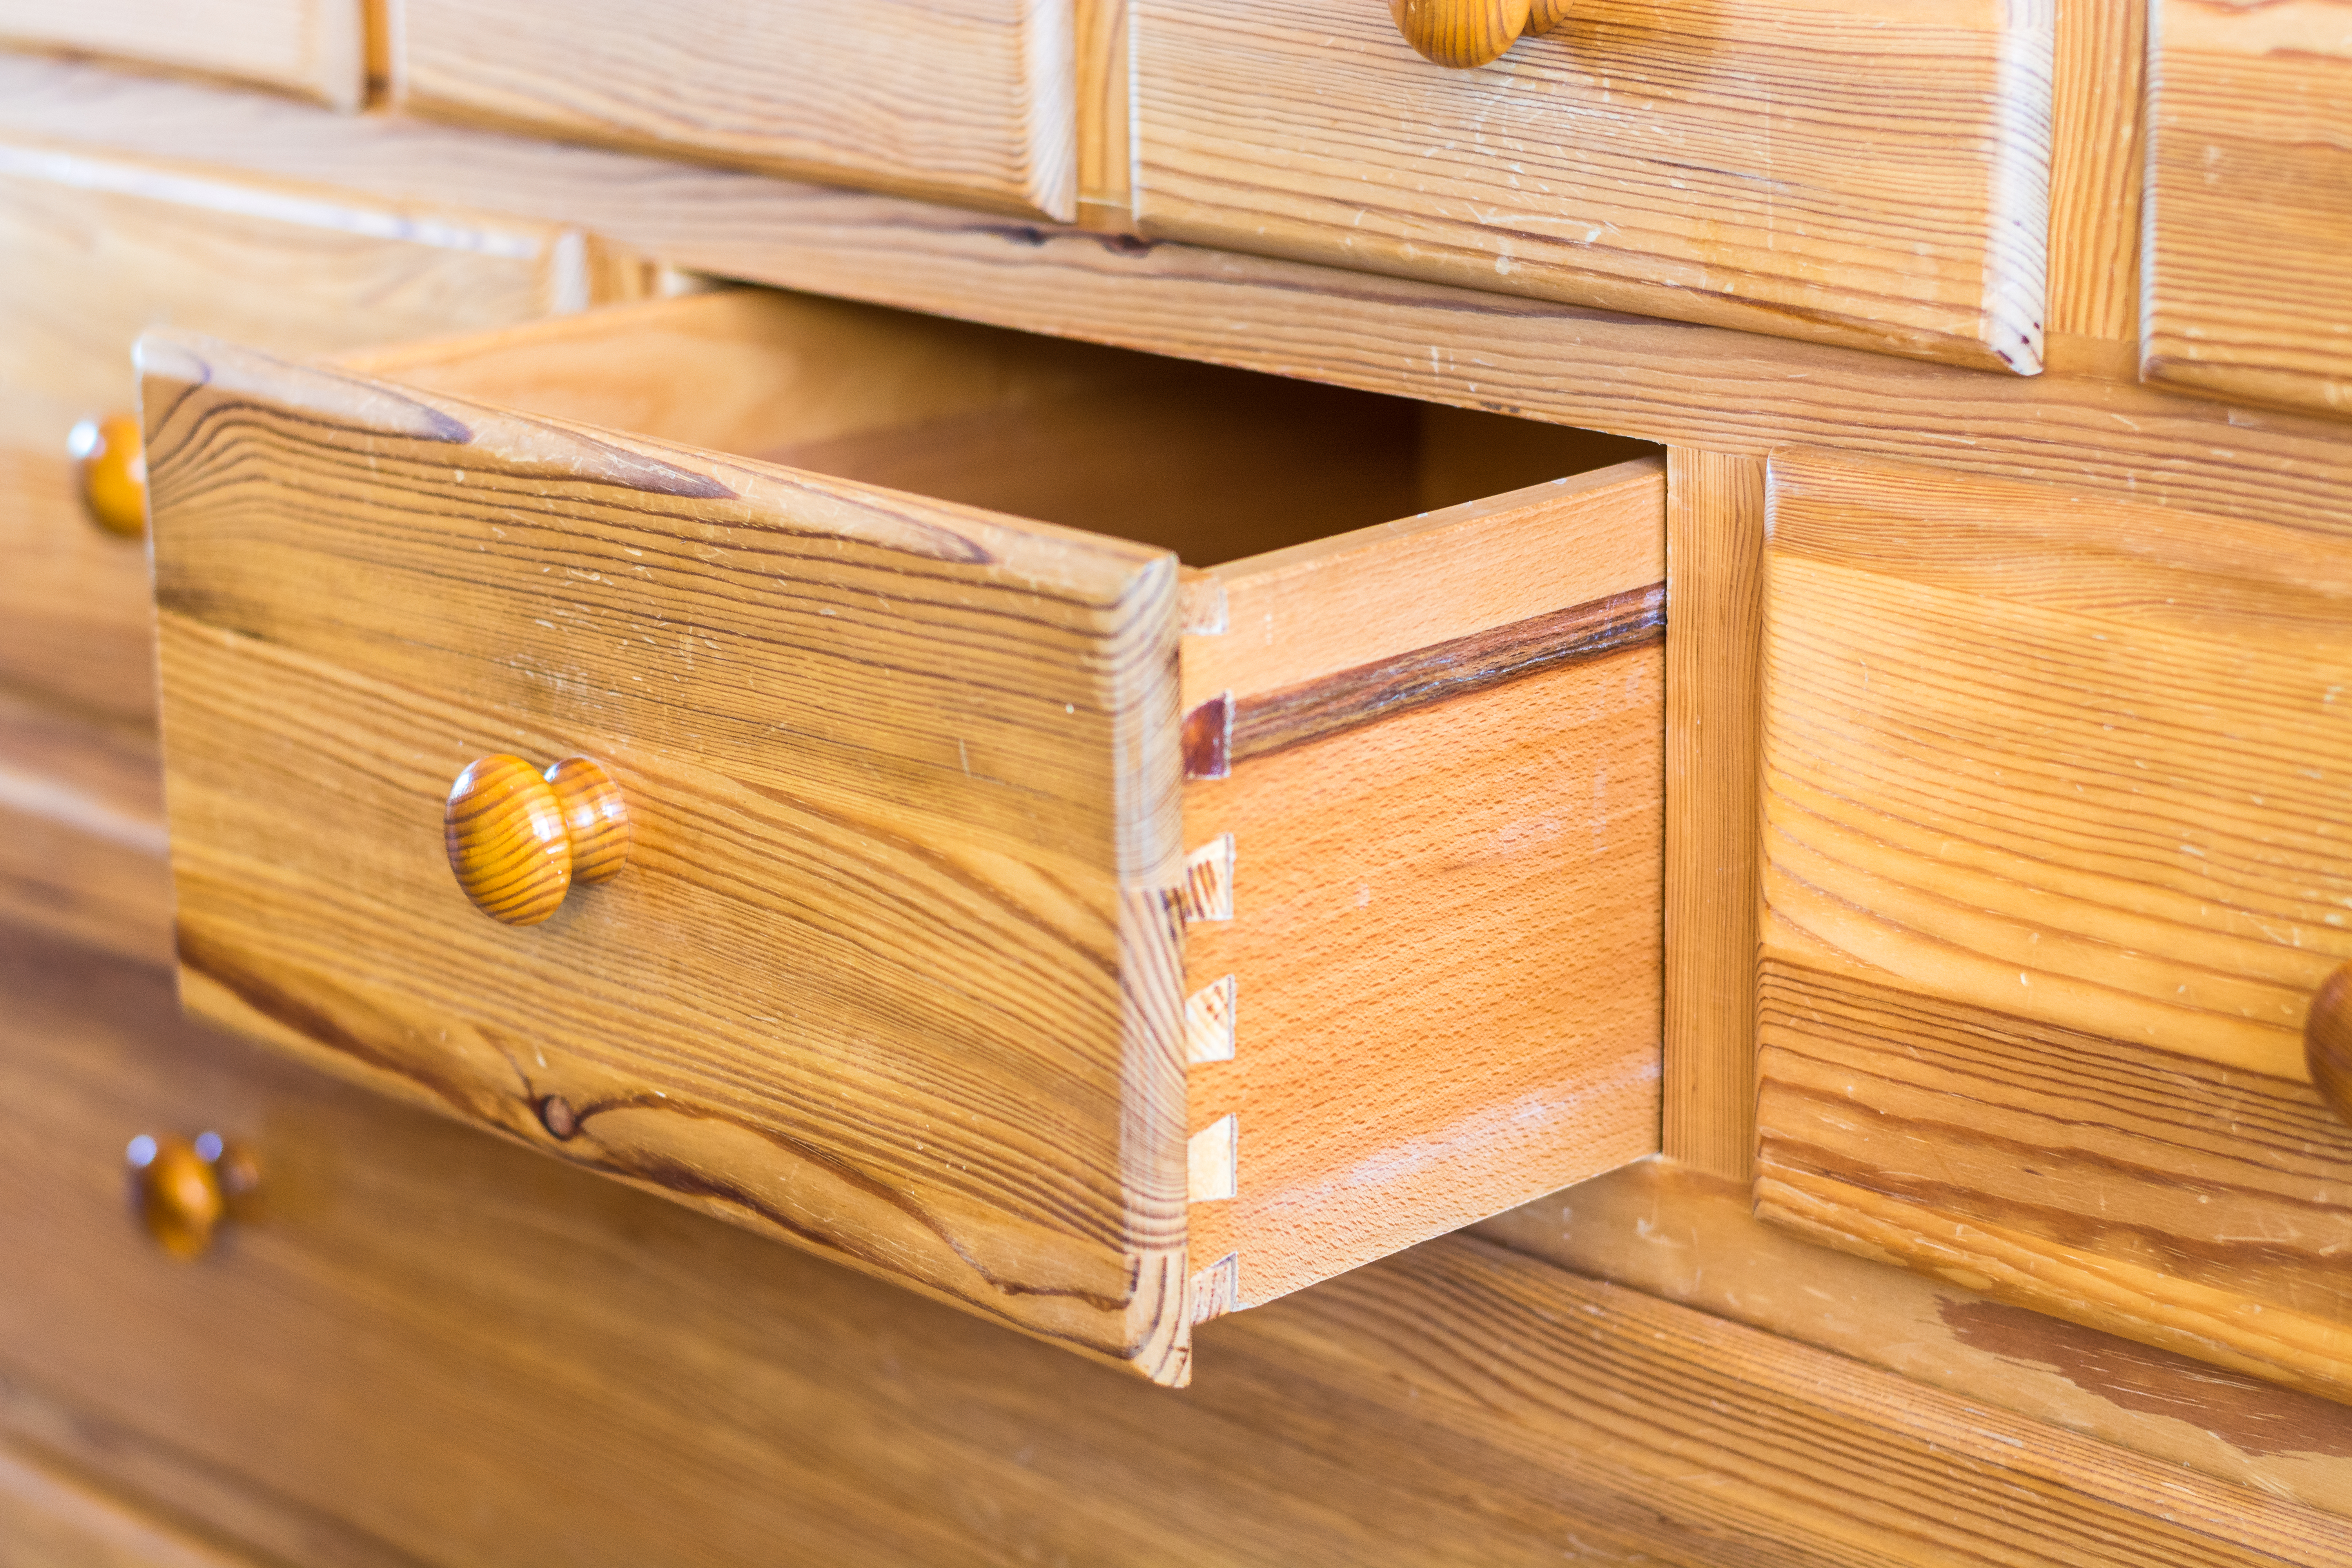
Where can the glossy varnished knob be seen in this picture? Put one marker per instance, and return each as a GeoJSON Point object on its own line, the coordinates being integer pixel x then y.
{"type": "Point", "coordinates": [1460, 33]}
{"type": "Point", "coordinates": [113, 466]}
{"type": "Point", "coordinates": [2328, 1040]}
{"type": "Point", "coordinates": [185, 1187]}
{"type": "Point", "coordinates": [1544, 15]}
{"type": "Point", "coordinates": [519, 839]}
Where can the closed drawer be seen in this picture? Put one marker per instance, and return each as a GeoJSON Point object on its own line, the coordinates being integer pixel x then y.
{"type": "Point", "coordinates": [2057, 854]}
{"type": "Point", "coordinates": [927, 797]}
{"type": "Point", "coordinates": [974, 103]}
{"type": "Point", "coordinates": [98, 250]}
{"type": "Point", "coordinates": [314, 48]}
{"type": "Point", "coordinates": [1852, 173]}
{"type": "Point", "coordinates": [2250, 203]}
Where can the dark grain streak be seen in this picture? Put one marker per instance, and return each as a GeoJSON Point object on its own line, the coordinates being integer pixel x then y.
{"type": "Point", "coordinates": [1372, 692]}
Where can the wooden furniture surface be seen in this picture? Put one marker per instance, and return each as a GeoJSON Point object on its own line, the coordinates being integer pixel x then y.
{"type": "Point", "coordinates": [973, 103]}
{"type": "Point", "coordinates": [434, 1348]}
{"type": "Point", "coordinates": [656, 1387]}
{"type": "Point", "coordinates": [1851, 172]}
{"type": "Point", "coordinates": [2055, 857]}
{"type": "Point", "coordinates": [315, 48]}
{"type": "Point", "coordinates": [897, 971]}
{"type": "Point", "coordinates": [100, 248]}
{"type": "Point", "coordinates": [52, 1518]}
{"type": "Point", "coordinates": [2250, 202]}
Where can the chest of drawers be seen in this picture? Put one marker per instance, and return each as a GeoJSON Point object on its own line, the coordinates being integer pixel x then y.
{"type": "Point", "coordinates": [1115, 840]}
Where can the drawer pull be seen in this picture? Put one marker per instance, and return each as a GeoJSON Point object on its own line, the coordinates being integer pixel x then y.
{"type": "Point", "coordinates": [114, 467]}
{"type": "Point", "coordinates": [1544, 15]}
{"type": "Point", "coordinates": [1460, 33]}
{"type": "Point", "coordinates": [2328, 1040]}
{"type": "Point", "coordinates": [517, 838]}
{"type": "Point", "coordinates": [185, 1188]}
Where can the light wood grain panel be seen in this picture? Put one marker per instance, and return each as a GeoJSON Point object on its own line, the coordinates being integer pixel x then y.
{"type": "Point", "coordinates": [98, 250]}
{"type": "Point", "coordinates": [893, 973]}
{"type": "Point", "coordinates": [1404, 1058]}
{"type": "Point", "coordinates": [2078, 761]}
{"type": "Point", "coordinates": [2192, 1206]}
{"type": "Point", "coordinates": [1444, 950]}
{"type": "Point", "coordinates": [1715, 544]}
{"type": "Point", "coordinates": [972, 103]}
{"type": "Point", "coordinates": [1674, 1232]}
{"type": "Point", "coordinates": [50, 1518]}
{"type": "Point", "coordinates": [2250, 202]}
{"type": "Point", "coordinates": [2099, 125]}
{"type": "Point", "coordinates": [1867, 175]}
{"type": "Point", "coordinates": [553, 1366]}
{"type": "Point", "coordinates": [1718, 390]}
{"type": "Point", "coordinates": [314, 48]}
{"type": "Point", "coordinates": [2055, 858]}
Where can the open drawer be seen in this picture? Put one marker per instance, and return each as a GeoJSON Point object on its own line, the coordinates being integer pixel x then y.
{"type": "Point", "coordinates": [1008, 910]}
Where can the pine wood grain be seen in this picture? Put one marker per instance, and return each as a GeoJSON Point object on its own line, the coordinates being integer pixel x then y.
{"type": "Point", "coordinates": [2250, 202]}
{"type": "Point", "coordinates": [973, 103]}
{"type": "Point", "coordinates": [556, 1367]}
{"type": "Point", "coordinates": [2053, 863]}
{"type": "Point", "coordinates": [1701, 161]}
{"type": "Point", "coordinates": [1718, 390]}
{"type": "Point", "coordinates": [1442, 957]}
{"type": "Point", "coordinates": [2099, 130]}
{"type": "Point", "coordinates": [894, 971]}
{"type": "Point", "coordinates": [1663, 1227]}
{"type": "Point", "coordinates": [313, 48]}
{"type": "Point", "coordinates": [1104, 201]}
{"type": "Point", "coordinates": [1715, 544]}
{"type": "Point", "coordinates": [2072, 760]}
{"type": "Point", "coordinates": [50, 1518]}
{"type": "Point", "coordinates": [100, 248]}
{"type": "Point", "coordinates": [2190, 1205]}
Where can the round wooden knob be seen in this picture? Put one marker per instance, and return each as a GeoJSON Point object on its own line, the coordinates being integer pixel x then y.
{"type": "Point", "coordinates": [519, 839]}
{"type": "Point", "coordinates": [1460, 33]}
{"type": "Point", "coordinates": [1544, 15]}
{"type": "Point", "coordinates": [185, 1187]}
{"type": "Point", "coordinates": [113, 472]}
{"type": "Point", "coordinates": [2328, 1040]}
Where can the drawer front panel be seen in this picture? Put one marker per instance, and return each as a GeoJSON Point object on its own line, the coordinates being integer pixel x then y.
{"type": "Point", "coordinates": [99, 251]}
{"type": "Point", "coordinates": [974, 103]}
{"type": "Point", "coordinates": [1856, 173]}
{"type": "Point", "coordinates": [2056, 852]}
{"type": "Point", "coordinates": [893, 971]}
{"type": "Point", "coordinates": [315, 47]}
{"type": "Point", "coordinates": [2250, 202]}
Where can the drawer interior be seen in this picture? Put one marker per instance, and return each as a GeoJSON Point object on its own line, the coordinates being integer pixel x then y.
{"type": "Point", "coordinates": [1212, 463]}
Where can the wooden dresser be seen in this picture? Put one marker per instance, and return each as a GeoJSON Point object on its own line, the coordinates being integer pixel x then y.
{"type": "Point", "coordinates": [1172, 781]}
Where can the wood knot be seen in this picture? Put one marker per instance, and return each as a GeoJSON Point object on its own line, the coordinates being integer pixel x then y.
{"type": "Point", "coordinates": [555, 1114]}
